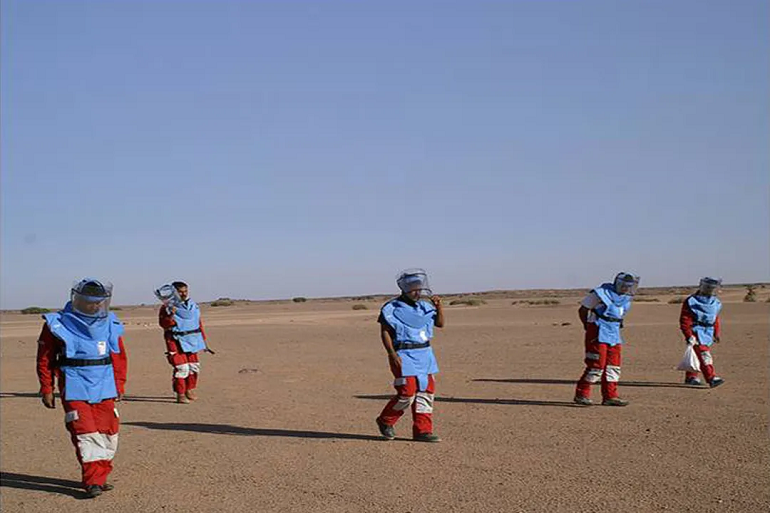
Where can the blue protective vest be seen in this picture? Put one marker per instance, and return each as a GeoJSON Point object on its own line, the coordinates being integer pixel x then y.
{"type": "Point", "coordinates": [188, 327]}
{"type": "Point", "coordinates": [413, 325]}
{"type": "Point", "coordinates": [706, 310]}
{"type": "Point", "coordinates": [609, 315]}
{"type": "Point", "coordinates": [85, 341]}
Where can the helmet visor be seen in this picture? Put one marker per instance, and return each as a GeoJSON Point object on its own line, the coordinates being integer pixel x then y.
{"type": "Point", "coordinates": [626, 284]}
{"type": "Point", "coordinates": [168, 295]}
{"type": "Point", "coordinates": [91, 297]}
{"type": "Point", "coordinates": [709, 286]}
{"type": "Point", "coordinates": [414, 281]}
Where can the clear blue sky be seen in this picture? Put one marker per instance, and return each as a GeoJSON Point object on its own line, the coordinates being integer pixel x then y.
{"type": "Point", "coordinates": [275, 149]}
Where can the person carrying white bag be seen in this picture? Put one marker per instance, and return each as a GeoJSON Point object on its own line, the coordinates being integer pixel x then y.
{"type": "Point", "coordinates": [690, 362]}
{"type": "Point", "coordinates": [699, 322]}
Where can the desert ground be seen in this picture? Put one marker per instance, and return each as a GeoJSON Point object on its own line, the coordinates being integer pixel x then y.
{"type": "Point", "coordinates": [285, 419]}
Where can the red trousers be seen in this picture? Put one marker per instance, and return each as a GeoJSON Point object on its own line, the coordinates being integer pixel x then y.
{"type": "Point", "coordinates": [421, 403]}
{"type": "Point", "coordinates": [94, 431]}
{"type": "Point", "coordinates": [706, 363]}
{"type": "Point", "coordinates": [186, 368]}
{"type": "Point", "coordinates": [602, 364]}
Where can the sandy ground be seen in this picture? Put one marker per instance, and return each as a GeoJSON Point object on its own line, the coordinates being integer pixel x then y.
{"type": "Point", "coordinates": [285, 420]}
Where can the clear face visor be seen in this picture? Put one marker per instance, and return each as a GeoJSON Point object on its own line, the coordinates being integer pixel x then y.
{"type": "Point", "coordinates": [91, 298]}
{"type": "Point", "coordinates": [168, 295]}
{"type": "Point", "coordinates": [709, 286]}
{"type": "Point", "coordinates": [414, 283]}
{"type": "Point", "coordinates": [626, 284]}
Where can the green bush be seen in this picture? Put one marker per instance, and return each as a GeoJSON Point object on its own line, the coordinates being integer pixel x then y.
{"type": "Point", "coordinates": [116, 308]}
{"type": "Point", "coordinates": [751, 294]}
{"type": "Point", "coordinates": [545, 302]}
{"type": "Point", "coordinates": [35, 310]}
{"type": "Point", "coordinates": [299, 299]}
{"type": "Point", "coordinates": [222, 301]}
{"type": "Point", "coordinates": [469, 302]}
{"type": "Point", "coordinates": [537, 302]}
{"type": "Point", "coordinates": [359, 306]}
{"type": "Point", "coordinates": [638, 299]}
{"type": "Point", "coordinates": [678, 300]}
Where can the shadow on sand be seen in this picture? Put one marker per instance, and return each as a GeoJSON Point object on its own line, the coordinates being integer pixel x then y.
{"type": "Point", "coordinates": [572, 382]}
{"type": "Point", "coordinates": [226, 429]}
{"type": "Point", "coordinates": [481, 400]}
{"type": "Point", "coordinates": [147, 399]}
{"type": "Point", "coordinates": [126, 398]}
{"type": "Point", "coordinates": [42, 484]}
{"type": "Point", "coordinates": [7, 395]}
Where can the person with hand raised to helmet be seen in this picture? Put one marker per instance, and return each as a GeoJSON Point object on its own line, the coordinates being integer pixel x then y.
{"type": "Point", "coordinates": [180, 318]}
{"type": "Point", "coordinates": [406, 330]}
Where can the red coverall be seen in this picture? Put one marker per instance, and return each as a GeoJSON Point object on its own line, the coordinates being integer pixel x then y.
{"type": "Point", "coordinates": [186, 365]}
{"type": "Point", "coordinates": [686, 322]}
{"type": "Point", "coordinates": [602, 360]}
{"type": "Point", "coordinates": [93, 427]}
{"type": "Point", "coordinates": [602, 364]}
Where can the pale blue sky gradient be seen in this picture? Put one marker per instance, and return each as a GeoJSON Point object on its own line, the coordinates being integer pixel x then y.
{"type": "Point", "coordinates": [276, 149]}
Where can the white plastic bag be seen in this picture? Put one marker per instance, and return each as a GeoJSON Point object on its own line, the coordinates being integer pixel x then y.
{"type": "Point", "coordinates": [690, 362]}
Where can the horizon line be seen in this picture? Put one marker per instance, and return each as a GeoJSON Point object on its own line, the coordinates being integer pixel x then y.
{"type": "Point", "coordinates": [378, 295]}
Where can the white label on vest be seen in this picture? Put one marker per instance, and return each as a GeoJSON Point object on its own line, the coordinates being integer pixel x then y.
{"type": "Point", "coordinates": [424, 336]}
{"type": "Point", "coordinates": [101, 346]}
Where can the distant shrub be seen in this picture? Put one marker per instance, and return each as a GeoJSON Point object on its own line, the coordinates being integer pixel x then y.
{"type": "Point", "coordinates": [359, 306]}
{"type": "Point", "coordinates": [116, 308]}
{"type": "Point", "coordinates": [299, 299]}
{"type": "Point", "coordinates": [537, 302]}
{"type": "Point", "coordinates": [222, 301]}
{"type": "Point", "coordinates": [678, 300]}
{"type": "Point", "coordinates": [363, 298]}
{"type": "Point", "coordinates": [469, 302]}
{"type": "Point", "coordinates": [751, 294]}
{"type": "Point", "coordinates": [638, 299]}
{"type": "Point", "coordinates": [35, 310]}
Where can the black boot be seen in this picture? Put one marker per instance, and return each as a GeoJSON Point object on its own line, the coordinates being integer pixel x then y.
{"type": "Point", "coordinates": [93, 491]}
{"type": "Point", "coordinates": [387, 432]}
{"type": "Point", "coordinates": [426, 437]}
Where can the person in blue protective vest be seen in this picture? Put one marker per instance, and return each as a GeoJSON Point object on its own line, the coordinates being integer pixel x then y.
{"type": "Point", "coordinates": [602, 313]}
{"type": "Point", "coordinates": [700, 325]}
{"type": "Point", "coordinates": [406, 330]}
{"type": "Point", "coordinates": [81, 347]}
{"type": "Point", "coordinates": [185, 338]}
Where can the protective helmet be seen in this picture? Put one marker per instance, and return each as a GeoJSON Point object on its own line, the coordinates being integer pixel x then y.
{"type": "Point", "coordinates": [626, 284]}
{"type": "Point", "coordinates": [91, 297]}
{"type": "Point", "coordinates": [709, 286]}
{"type": "Point", "coordinates": [410, 280]}
{"type": "Point", "coordinates": [168, 295]}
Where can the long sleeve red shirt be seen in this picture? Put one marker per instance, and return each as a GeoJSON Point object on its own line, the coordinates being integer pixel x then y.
{"type": "Point", "coordinates": [50, 348]}
{"type": "Point", "coordinates": [166, 321]}
{"type": "Point", "coordinates": [687, 321]}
